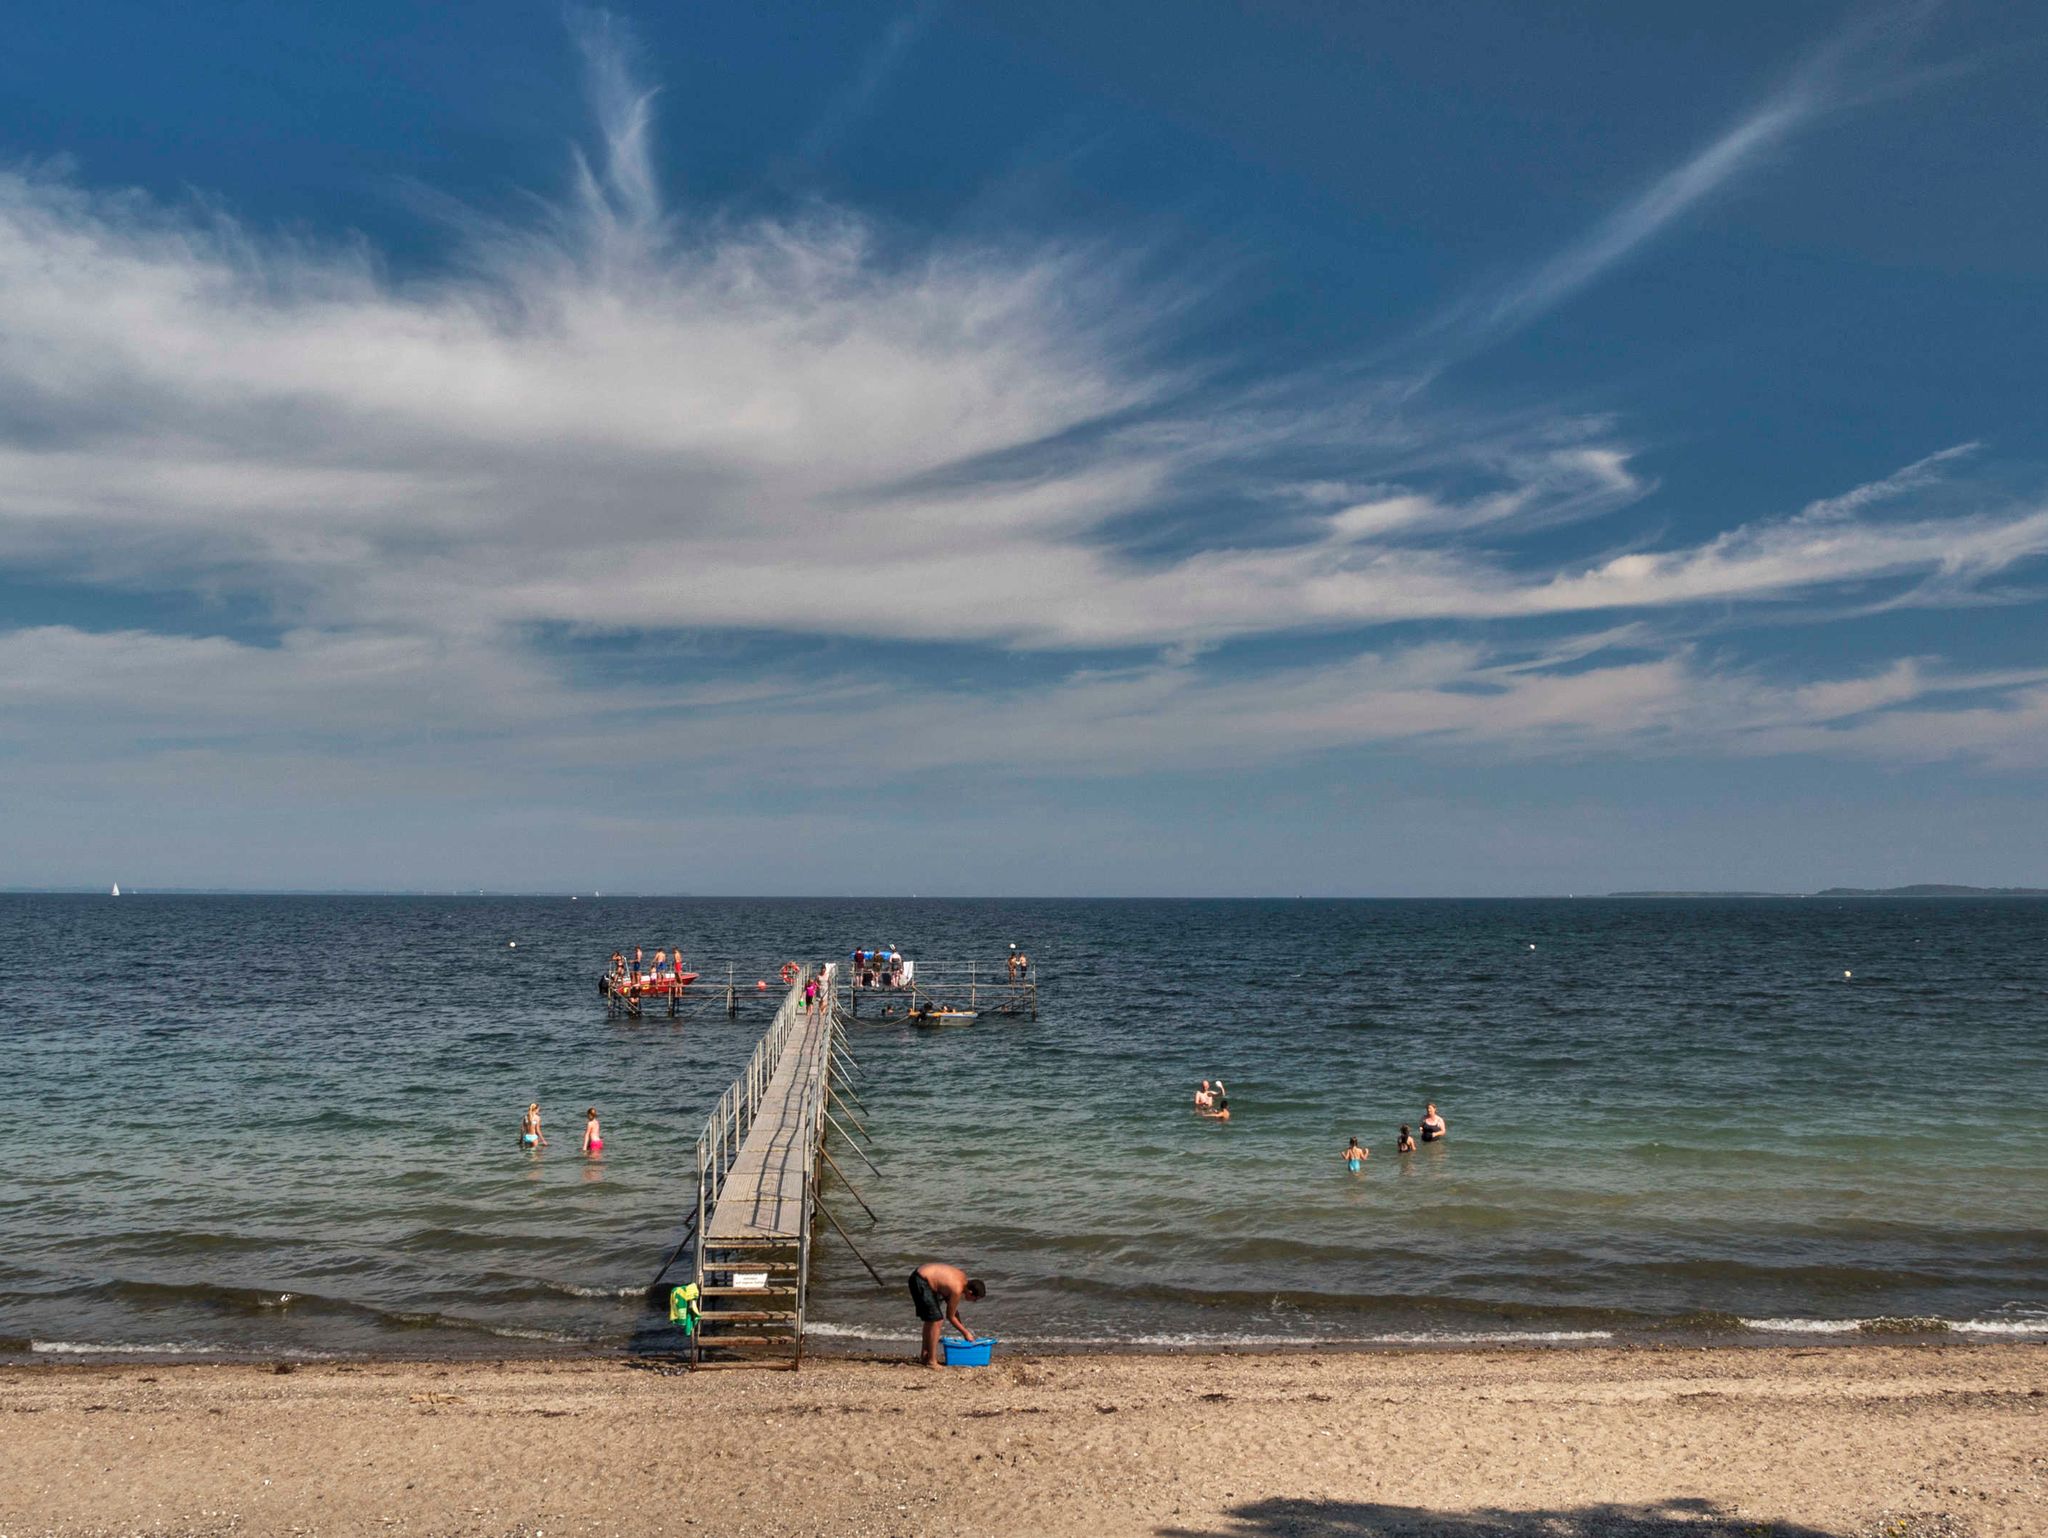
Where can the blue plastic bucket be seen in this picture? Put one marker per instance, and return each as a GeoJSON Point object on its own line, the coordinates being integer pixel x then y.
{"type": "Point", "coordinates": [963, 1353]}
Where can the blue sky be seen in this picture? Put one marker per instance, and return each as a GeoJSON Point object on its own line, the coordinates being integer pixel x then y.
{"type": "Point", "coordinates": [982, 448]}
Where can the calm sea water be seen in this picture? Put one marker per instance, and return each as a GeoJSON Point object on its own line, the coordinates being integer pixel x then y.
{"type": "Point", "coordinates": [288, 1125]}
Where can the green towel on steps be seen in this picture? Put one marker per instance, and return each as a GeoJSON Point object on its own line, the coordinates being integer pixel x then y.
{"type": "Point", "coordinates": [682, 1308]}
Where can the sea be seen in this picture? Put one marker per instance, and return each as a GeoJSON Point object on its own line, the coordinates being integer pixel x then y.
{"type": "Point", "coordinates": [287, 1127]}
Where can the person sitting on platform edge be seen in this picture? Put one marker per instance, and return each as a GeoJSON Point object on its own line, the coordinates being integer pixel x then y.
{"type": "Point", "coordinates": [937, 1290]}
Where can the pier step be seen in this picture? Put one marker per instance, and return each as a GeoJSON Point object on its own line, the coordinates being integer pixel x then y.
{"type": "Point", "coordinates": [745, 1316]}
{"type": "Point", "coordinates": [748, 1292]}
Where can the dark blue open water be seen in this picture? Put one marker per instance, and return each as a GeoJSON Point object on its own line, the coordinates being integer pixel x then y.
{"type": "Point", "coordinates": [288, 1125]}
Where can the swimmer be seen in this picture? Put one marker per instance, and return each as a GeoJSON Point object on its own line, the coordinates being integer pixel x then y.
{"type": "Point", "coordinates": [592, 1143]}
{"type": "Point", "coordinates": [1405, 1143]}
{"type": "Point", "coordinates": [1203, 1099]}
{"type": "Point", "coordinates": [1219, 1105]}
{"type": "Point", "coordinates": [1433, 1126]}
{"type": "Point", "coordinates": [529, 1129]}
{"type": "Point", "coordinates": [1355, 1156]}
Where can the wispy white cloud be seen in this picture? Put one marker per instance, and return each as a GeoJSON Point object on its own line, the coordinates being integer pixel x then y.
{"type": "Point", "coordinates": [853, 101]}
{"type": "Point", "coordinates": [1859, 61]}
{"type": "Point", "coordinates": [626, 418]}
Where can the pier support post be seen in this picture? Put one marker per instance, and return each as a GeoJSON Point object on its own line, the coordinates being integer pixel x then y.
{"type": "Point", "coordinates": [850, 1143]}
{"type": "Point", "coordinates": [851, 1245]}
{"type": "Point", "coordinates": [852, 1190]}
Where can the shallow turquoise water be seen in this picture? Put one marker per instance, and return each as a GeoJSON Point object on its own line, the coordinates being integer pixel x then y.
{"type": "Point", "coordinates": [288, 1124]}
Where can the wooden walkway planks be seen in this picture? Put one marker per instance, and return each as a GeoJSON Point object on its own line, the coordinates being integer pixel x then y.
{"type": "Point", "coordinates": [762, 1199]}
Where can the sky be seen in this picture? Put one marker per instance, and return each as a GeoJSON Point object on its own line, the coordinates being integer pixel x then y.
{"type": "Point", "coordinates": [997, 448]}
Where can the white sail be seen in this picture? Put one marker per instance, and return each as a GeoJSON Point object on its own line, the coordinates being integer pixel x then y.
{"type": "Point", "coordinates": [117, 889]}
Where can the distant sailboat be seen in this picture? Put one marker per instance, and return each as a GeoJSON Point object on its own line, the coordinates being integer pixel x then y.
{"type": "Point", "coordinates": [117, 889]}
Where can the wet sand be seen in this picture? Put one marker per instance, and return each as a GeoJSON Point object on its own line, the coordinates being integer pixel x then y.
{"type": "Point", "coordinates": [1840, 1442]}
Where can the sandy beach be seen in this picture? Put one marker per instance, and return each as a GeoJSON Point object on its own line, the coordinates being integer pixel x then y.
{"type": "Point", "coordinates": [1903, 1442]}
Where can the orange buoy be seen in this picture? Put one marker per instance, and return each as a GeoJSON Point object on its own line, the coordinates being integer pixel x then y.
{"type": "Point", "coordinates": [762, 984]}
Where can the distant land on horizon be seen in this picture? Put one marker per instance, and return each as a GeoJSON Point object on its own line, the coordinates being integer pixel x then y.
{"type": "Point", "coordinates": [1920, 889]}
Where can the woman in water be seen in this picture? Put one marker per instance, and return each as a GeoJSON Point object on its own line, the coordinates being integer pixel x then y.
{"type": "Point", "coordinates": [529, 1130]}
{"type": "Point", "coordinates": [1405, 1143]}
{"type": "Point", "coordinates": [592, 1143]}
{"type": "Point", "coordinates": [1355, 1156]}
{"type": "Point", "coordinates": [1432, 1124]}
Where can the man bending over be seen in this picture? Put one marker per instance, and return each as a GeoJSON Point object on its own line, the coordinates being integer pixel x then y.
{"type": "Point", "coordinates": [937, 1289]}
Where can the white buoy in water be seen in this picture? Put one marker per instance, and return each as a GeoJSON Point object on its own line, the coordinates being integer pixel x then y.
{"type": "Point", "coordinates": [511, 945]}
{"type": "Point", "coordinates": [1846, 974]}
{"type": "Point", "coordinates": [1532, 947]}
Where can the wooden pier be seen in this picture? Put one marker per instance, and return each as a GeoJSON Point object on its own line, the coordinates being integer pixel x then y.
{"type": "Point", "coordinates": [759, 1162]}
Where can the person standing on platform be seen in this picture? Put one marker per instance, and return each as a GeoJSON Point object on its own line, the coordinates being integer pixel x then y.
{"type": "Point", "coordinates": [936, 1291]}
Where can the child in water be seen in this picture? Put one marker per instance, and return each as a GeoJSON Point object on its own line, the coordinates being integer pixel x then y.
{"type": "Point", "coordinates": [592, 1143]}
{"type": "Point", "coordinates": [529, 1129]}
{"type": "Point", "coordinates": [1406, 1142]}
{"type": "Point", "coordinates": [1355, 1156]}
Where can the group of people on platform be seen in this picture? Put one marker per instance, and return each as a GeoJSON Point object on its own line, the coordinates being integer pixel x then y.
{"type": "Point", "coordinates": [884, 968]}
{"type": "Point", "coordinates": [636, 977]}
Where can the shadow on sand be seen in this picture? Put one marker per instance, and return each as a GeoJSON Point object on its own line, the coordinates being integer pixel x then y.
{"type": "Point", "coordinates": [1663, 1519]}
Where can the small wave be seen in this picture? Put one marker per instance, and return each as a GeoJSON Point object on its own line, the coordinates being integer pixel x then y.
{"type": "Point", "coordinates": [121, 1348]}
{"type": "Point", "coordinates": [573, 1290]}
{"type": "Point", "coordinates": [1889, 1324]}
{"type": "Point", "coordinates": [1201, 1339]}
{"type": "Point", "coordinates": [433, 1321]}
{"type": "Point", "coordinates": [216, 1297]}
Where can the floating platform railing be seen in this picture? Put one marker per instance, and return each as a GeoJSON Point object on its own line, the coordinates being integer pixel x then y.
{"type": "Point", "coordinates": [986, 988]}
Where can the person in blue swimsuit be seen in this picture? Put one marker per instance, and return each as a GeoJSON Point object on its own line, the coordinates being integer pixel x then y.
{"type": "Point", "coordinates": [1355, 1156]}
